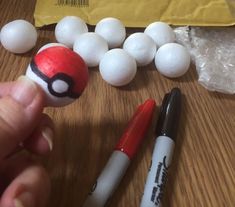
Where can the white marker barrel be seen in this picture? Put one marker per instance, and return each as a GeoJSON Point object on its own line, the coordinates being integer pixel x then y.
{"type": "Point", "coordinates": [108, 180]}
{"type": "Point", "coordinates": [157, 176]}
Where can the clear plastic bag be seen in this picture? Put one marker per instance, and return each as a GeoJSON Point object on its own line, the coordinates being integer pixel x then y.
{"type": "Point", "coordinates": [213, 52]}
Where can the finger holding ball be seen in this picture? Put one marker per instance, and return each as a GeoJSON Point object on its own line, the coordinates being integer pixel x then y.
{"type": "Point", "coordinates": [61, 73]}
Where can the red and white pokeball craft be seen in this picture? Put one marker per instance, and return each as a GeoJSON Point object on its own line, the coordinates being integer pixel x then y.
{"type": "Point", "coordinates": [61, 73]}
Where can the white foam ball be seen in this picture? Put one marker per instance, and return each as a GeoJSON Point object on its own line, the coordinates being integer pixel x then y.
{"type": "Point", "coordinates": [172, 60]}
{"type": "Point", "coordinates": [91, 47]}
{"type": "Point", "coordinates": [112, 30]}
{"type": "Point", "coordinates": [141, 47]}
{"type": "Point", "coordinates": [53, 44]}
{"type": "Point", "coordinates": [18, 36]}
{"type": "Point", "coordinates": [160, 32]}
{"type": "Point", "coordinates": [68, 29]}
{"type": "Point", "coordinates": [117, 67]}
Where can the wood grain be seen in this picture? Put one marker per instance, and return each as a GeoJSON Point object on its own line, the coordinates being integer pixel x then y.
{"type": "Point", "coordinates": [203, 169]}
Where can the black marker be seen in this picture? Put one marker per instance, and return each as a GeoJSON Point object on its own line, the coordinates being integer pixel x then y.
{"type": "Point", "coordinates": [167, 127]}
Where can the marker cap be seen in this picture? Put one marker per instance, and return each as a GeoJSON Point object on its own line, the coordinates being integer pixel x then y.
{"type": "Point", "coordinates": [169, 114]}
{"type": "Point", "coordinates": [136, 129]}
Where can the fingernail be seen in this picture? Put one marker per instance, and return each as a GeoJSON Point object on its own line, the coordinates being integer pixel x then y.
{"type": "Point", "coordinates": [18, 203]}
{"type": "Point", "coordinates": [47, 134]}
{"type": "Point", "coordinates": [24, 200]}
{"type": "Point", "coordinates": [24, 91]}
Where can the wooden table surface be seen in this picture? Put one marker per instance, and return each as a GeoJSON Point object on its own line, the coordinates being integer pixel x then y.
{"type": "Point", "coordinates": [203, 169]}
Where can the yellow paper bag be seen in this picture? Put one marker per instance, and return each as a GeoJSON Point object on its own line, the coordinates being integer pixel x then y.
{"type": "Point", "coordinates": [137, 13]}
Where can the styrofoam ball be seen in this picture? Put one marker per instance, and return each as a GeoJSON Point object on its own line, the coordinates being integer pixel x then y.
{"type": "Point", "coordinates": [53, 44]}
{"type": "Point", "coordinates": [117, 67]}
{"type": "Point", "coordinates": [112, 30]}
{"type": "Point", "coordinates": [160, 32]}
{"type": "Point", "coordinates": [61, 74]}
{"type": "Point", "coordinates": [91, 47]}
{"type": "Point", "coordinates": [141, 47]}
{"type": "Point", "coordinates": [18, 36]}
{"type": "Point", "coordinates": [172, 60]}
{"type": "Point", "coordinates": [68, 29]}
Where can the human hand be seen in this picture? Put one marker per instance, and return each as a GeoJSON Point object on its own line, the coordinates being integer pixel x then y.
{"type": "Point", "coordinates": [23, 182]}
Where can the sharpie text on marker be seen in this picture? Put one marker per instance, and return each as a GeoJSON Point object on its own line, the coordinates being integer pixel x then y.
{"type": "Point", "coordinates": [167, 127]}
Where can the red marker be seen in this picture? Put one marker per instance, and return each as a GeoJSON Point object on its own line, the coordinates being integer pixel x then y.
{"type": "Point", "coordinates": [120, 159]}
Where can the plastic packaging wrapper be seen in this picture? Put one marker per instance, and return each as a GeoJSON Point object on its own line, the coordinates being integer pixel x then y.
{"type": "Point", "coordinates": [213, 52]}
{"type": "Point", "coordinates": [137, 13]}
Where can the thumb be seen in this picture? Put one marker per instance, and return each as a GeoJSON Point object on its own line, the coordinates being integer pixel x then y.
{"type": "Point", "coordinates": [20, 111]}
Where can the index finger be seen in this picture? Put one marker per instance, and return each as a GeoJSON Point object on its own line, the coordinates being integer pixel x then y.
{"type": "Point", "coordinates": [20, 112]}
{"type": "Point", "coordinates": [5, 88]}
